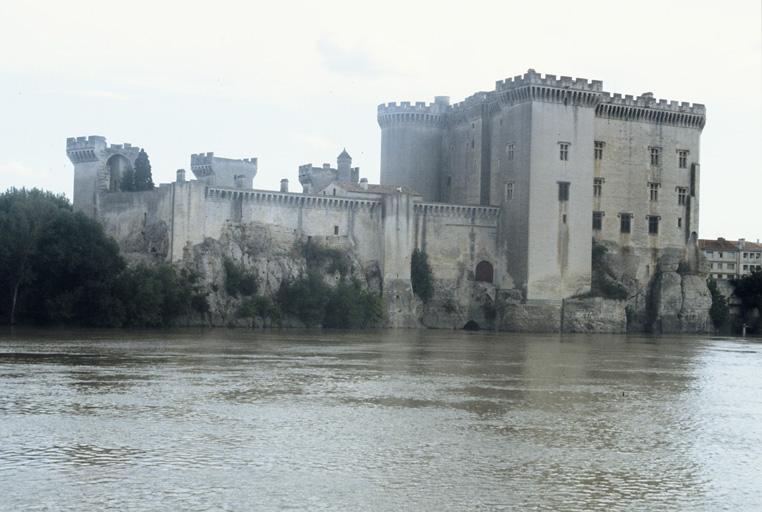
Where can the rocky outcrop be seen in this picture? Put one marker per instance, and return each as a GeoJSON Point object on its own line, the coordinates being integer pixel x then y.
{"type": "Point", "coordinates": [594, 315]}
{"type": "Point", "coordinates": [680, 303]}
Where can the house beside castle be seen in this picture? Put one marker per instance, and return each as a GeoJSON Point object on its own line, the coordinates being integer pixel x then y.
{"type": "Point", "coordinates": [504, 191]}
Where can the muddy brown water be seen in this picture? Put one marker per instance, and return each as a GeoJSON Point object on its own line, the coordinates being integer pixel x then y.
{"type": "Point", "coordinates": [378, 420]}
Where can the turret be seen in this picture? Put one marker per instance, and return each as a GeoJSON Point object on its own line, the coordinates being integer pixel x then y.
{"type": "Point", "coordinates": [98, 168]}
{"type": "Point", "coordinates": [344, 166]}
{"type": "Point", "coordinates": [411, 143]}
{"type": "Point", "coordinates": [224, 172]}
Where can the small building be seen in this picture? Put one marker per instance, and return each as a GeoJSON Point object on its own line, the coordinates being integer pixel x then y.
{"type": "Point", "coordinates": [731, 259]}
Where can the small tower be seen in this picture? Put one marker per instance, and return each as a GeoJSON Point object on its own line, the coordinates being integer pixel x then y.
{"type": "Point", "coordinates": [216, 171]}
{"type": "Point", "coordinates": [98, 168]}
{"type": "Point", "coordinates": [344, 166]}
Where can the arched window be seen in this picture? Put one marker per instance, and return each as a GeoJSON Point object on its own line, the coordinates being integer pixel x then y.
{"type": "Point", "coordinates": [117, 166]}
{"type": "Point", "coordinates": [484, 272]}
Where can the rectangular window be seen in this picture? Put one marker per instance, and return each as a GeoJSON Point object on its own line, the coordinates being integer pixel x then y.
{"type": "Point", "coordinates": [655, 153]}
{"type": "Point", "coordinates": [597, 221]}
{"type": "Point", "coordinates": [598, 149]}
{"type": "Point", "coordinates": [510, 149]}
{"type": "Point", "coordinates": [731, 266]}
{"type": "Point", "coordinates": [653, 225]}
{"type": "Point", "coordinates": [746, 267]}
{"type": "Point", "coordinates": [509, 191]}
{"type": "Point", "coordinates": [679, 222]}
{"type": "Point", "coordinates": [563, 190]}
{"type": "Point", "coordinates": [597, 187]}
{"type": "Point", "coordinates": [682, 158]}
{"type": "Point", "coordinates": [563, 150]}
{"type": "Point", "coordinates": [653, 189]}
{"type": "Point", "coordinates": [746, 255]}
{"type": "Point", "coordinates": [336, 230]}
{"type": "Point", "coordinates": [682, 195]}
{"type": "Point", "coordinates": [625, 222]}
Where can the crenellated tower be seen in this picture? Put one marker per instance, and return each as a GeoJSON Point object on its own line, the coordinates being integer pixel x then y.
{"type": "Point", "coordinates": [98, 167]}
{"type": "Point", "coordinates": [224, 172]}
{"type": "Point", "coordinates": [411, 141]}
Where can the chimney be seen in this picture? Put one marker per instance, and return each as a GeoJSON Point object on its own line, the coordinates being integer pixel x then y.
{"type": "Point", "coordinates": [741, 243]}
{"type": "Point", "coordinates": [284, 185]}
{"type": "Point", "coordinates": [364, 183]}
{"type": "Point", "coordinates": [181, 176]}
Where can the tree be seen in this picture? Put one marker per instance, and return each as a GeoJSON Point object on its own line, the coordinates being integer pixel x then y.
{"type": "Point", "coordinates": [142, 178]}
{"type": "Point", "coordinates": [719, 312]}
{"type": "Point", "coordinates": [421, 276]}
{"type": "Point", "coordinates": [127, 182]}
{"type": "Point", "coordinates": [24, 215]}
{"type": "Point", "coordinates": [749, 290]}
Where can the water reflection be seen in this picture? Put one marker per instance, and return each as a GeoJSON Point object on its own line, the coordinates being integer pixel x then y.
{"type": "Point", "coordinates": [387, 420]}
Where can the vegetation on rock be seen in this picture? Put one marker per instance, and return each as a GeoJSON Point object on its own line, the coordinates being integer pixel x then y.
{"type": "Point", "coordinates": [238, 281]}
{"type": "Point", "coordinates": [749, 290]}
{"type": "Point", "coordinates": [719, 312]}
{"type": "Point", "coordinates": [421, 276]}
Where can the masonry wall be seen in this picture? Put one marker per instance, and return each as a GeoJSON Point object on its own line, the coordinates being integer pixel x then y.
{"type": "Point", "coordinates": [456, 238]}
{"type": "Point", "coordinates": [410, 156]}
{"type": "Point", "coordinates": [560, 232]}
{"type": "Point", "coordinates": [462, 150]}
{"type": "Point", "coordinates": [626, 171]}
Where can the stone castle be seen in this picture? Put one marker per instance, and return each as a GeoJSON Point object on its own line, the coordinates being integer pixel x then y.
{"type": "Point", "coordinates": [505, 192]}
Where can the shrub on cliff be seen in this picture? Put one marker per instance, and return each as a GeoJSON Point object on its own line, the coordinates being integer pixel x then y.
{"type": "Point", "coordinates": [749, 290]}
{"type": "Point", "coordinates": [347, 306]}
{"type": "Point", "coordinates": [719, 311]}
{"type": "Point", "coordinates": [238, 281]}
{"type": "Point", "coordinates": [421, 277]}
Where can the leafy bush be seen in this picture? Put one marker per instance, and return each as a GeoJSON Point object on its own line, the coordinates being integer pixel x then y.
{"type": "Point", "coordinates": [421, 277]}
{"type": "Point", "coordinates": [238, 281]}
{"type": "Point", "coordinates": [719, 312]}
{"type": "Point", "coordinates": [317, 304]}
{"type": "Point", "coordinates": [259, 306]}
{"type": "Point", "coordinates": [351, 307]}
{"type": "Point", "coordinates": [749, 290]}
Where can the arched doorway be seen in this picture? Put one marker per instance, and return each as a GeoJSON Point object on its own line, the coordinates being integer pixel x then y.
{"type": "Point", "coordinates": [471, 326]}
{"type": "Point", "coordinates": [116, 167]}
{"type": "Point", "coordinates": [484, 272]}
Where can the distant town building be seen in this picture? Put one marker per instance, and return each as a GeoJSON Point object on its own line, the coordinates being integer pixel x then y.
{"type": "Point", "coordinates": [729, 259]}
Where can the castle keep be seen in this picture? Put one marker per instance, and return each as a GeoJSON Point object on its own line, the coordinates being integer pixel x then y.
{"type": "Point", "coordinates": [504, 191]}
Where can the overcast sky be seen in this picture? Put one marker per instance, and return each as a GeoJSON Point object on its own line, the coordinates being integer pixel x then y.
{"type": "Point", "coordinates": [295, 82]}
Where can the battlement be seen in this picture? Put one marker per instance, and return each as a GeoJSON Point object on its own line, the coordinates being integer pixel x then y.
{"type": "Point", "coordinates": [419, 111]}
{"type": "Point", "coordinates": [531, 77]}
{"type": "Point", "coordinates": [224, 171]}
{"type": "Point", "coordinates": [646, 108]}
{"type": "Point", "coordinates": [85, 149]}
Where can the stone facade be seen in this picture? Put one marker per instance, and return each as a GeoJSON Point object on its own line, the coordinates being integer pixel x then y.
{"type": "Point", "coordinates": [498, 191]}
{"type": "Point", "coordinates": [518, 146]}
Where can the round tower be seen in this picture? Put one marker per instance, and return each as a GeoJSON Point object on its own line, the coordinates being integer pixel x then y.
{"type": "Point", "coordinates": [411, 145]}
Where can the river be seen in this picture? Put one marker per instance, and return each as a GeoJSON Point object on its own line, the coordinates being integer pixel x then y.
{"type": "Point", "coordinates": [378, 420]}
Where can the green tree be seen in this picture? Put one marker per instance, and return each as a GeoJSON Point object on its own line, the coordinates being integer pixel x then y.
{"type": "Point", "coordinates": [24, 216]}
{"type": "Point", "coordinates": [143, 179]}
{"type": "Point", "coordinates": [719, 311]}
{"type": "Point", "coordinates": [421, 276]}
{"type": "Point", "coordinates": [749, 290]}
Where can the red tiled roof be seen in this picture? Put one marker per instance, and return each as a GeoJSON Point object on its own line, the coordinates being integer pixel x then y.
{"type": "Point", "coordinates": [727, 245]}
